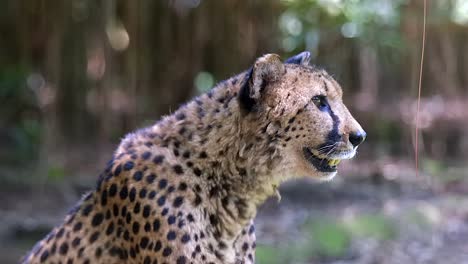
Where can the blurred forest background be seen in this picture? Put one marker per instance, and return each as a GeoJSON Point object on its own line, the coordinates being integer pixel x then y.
{"type": "Point", "coordinates": [77, 75]}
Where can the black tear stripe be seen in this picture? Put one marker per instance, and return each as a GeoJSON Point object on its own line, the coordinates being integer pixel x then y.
{"type": "Point", "coordinates": [333, 136]}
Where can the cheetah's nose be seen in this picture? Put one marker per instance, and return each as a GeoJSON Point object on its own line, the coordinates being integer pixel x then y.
{"type": "Point", "coordinates": [356, 138]}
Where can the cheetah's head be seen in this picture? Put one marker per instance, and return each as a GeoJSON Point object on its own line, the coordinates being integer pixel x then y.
{"type": "Point", "coordinates": [300, 107]}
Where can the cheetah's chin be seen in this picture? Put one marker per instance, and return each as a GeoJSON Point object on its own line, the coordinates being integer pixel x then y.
{"type": "Point", "coordinates": [321, 164]}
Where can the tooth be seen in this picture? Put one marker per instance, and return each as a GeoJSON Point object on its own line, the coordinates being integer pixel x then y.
{"type": "Point", "coordinates": [333, 162]}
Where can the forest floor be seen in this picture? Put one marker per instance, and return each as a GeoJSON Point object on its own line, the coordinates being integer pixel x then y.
{"type": "Point", "coordinates": [350, 220]}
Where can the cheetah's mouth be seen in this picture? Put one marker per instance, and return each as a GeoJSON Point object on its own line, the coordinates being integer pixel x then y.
{"type": "Point", "coordinates": [321, 164]}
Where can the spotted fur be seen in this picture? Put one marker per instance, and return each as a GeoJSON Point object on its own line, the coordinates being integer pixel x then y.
{"type": "Point", "coordinates": [186, 189]}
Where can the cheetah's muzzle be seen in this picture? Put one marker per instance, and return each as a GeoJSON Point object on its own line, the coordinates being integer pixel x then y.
{"type": "Point", "coordinates": [321, 164]}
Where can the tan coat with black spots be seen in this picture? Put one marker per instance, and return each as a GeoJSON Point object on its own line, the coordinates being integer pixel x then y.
{"type": "Point", "coordinates": [186, 189]}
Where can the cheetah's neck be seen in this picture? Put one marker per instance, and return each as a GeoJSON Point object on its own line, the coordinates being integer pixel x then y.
{"type": "Point", "coordinates": [230, 160]}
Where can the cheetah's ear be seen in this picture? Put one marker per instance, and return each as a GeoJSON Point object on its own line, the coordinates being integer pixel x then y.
{"type": "Point", "coordinates": [302, 58]}
{"type": "Point", "coordinates": [266, 69]}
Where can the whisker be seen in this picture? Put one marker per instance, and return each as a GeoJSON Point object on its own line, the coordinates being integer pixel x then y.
{"type": "Point", "coordinates": [328, 149]}
{"type": "Point", "coordinates": [328, 153]}
{"type": "Point", "coordinates": [326, 146]}
{"type": "Point", "coordinates": [331, 150]}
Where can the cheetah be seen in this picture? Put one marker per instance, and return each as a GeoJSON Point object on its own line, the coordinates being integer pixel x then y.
{"type": "Point", "coordinates": [186, 189]}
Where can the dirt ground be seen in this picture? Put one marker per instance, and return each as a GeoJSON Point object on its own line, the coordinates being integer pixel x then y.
{"type": "Point", "coordinates": [350, 220]}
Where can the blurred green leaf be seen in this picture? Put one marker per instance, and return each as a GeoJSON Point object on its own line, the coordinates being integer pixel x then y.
{"type": "Point", "coordinates": [204, 81]}
{"type": "Point", "coordinates": [56, 173]}
{"type": "Point", "coordinates": [374, 226]}
{"type": "Point", "coordinates": [265, 254]}
{"type": "Point", "coordinates": [329, 238]}
{"type": "Point", "coordinates": [433, 167]}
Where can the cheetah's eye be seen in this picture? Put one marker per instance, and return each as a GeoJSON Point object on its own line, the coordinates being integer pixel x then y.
{"type": "Point", "coordinates": [321, 102]}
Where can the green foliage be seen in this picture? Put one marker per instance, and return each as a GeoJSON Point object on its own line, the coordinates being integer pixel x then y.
{"type": "Point", "coordinates": [299, 252]}
{"type": "Point", "coordinates": [19, 123]}
{"type": "Point", "coordinates": [26, 138]}
{"type": "Point", "coordinates": [268, 255]}
{"type": "Point", "coordinates": [56, 173]}
{"type": "Point", "coordinates": [204, 81]}
{"type": "Point", "coordinates": [372, 226]}
{"type": "Point", "coordinates": [434, 167]}
{"type": "Point", "coordinates": [329, 237]}
{"type": "Point", "coordinates": [324, 238]}
{"type": "Point", "coordinates": [375, 23]}
{"type": "Point", "coordinates": [12, 82]}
